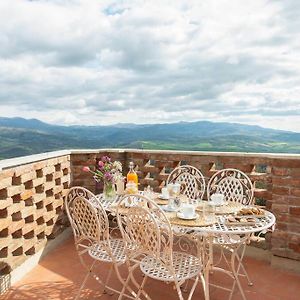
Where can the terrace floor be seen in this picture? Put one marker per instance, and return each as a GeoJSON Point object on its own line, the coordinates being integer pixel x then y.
{"type": "Point", "coordinates": [59, 275]}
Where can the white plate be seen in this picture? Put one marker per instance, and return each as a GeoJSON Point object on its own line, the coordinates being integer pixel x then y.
{"type": "Point", "coordinates": [168, 208]}
{"type": "Point", "coordinates": [180, 215]}
{"type": "Point", "coordinates": [160, 196]}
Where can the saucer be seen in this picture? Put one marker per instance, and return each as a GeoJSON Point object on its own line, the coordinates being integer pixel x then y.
{"type": "Point", "coordinates": [180, 215]}
{"type": "Point", "coordinates": [168, 208]}
{"type": "Point", "coordinates": [160, 196]}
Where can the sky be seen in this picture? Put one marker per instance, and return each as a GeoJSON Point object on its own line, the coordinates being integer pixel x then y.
{"type": "Point", "coordinates": [104, 62]}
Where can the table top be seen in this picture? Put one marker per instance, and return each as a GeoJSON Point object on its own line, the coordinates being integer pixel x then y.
{"type": "Point", "coordinates": [262, 223]}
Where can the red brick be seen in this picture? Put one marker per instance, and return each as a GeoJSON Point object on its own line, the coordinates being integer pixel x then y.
{"type": "Point", "coordinates": [281, 190]}
{"type": "Point", "coordinates": [280, 208]}
{"type": "Point", "coordinates": [295, 211]}
{"type": "Point", "coordinates": [286, 163]}
{"type": "Point", "coordinates": [294, 201]}
{"type": "Point", "coordinates": [295, 192]}
{"type": "Point", "coordinates": [280, 199]}
{"type": "Point", "coordinates": [295, 173]}
{"type": "Point", "coordinates": [280, 171]}
{"type": "Point", "coordinates": [295, 247]}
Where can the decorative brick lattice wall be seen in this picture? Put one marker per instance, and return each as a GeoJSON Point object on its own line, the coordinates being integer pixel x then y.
{"type": "Point", "coordinates": [31, 208]}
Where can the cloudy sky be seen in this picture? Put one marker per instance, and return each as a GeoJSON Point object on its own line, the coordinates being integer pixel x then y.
{"type": "Point", "coordinates": [104, 62]}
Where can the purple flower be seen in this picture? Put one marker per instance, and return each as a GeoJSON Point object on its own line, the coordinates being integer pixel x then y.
{"type": "Point", "coordinates": [105, 159]}
{"type": "Point", "coordinates": [101, 164]}
{"type": "Point", "coordinates": [108, 176]}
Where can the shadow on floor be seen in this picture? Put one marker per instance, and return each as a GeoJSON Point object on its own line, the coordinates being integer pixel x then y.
{"type": "Point", "coordinates": [48, 290]}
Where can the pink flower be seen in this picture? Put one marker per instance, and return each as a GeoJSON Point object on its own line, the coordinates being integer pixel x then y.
{"type": "Point", "coordinates": [86, 169]}
{"type": "Point", "coordinates": [100, 164]}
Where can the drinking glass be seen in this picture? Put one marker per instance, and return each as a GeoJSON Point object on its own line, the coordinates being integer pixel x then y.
{"type": "Point", "coordinates": [170, 189]}
{"type": "Point", "coordinates": [176, 192]}
{"type": "Point", "coordinates": [176, 189]}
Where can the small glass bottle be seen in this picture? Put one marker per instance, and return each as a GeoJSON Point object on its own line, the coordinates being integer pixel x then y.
{"type": "Point", "coordinates": [131, 175]}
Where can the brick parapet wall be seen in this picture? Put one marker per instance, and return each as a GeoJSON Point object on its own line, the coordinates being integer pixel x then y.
{"type": "Point", "coordinates": [31, 208]}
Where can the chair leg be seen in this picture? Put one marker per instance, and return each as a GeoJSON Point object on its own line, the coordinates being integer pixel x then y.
{"type": "Point", "coordinates": [193, 288]}
{"type": "Point", "coordinates": [141, 287]}
{"type": "Point", "coordinates": [85, 280]}
{"type": "Point", "coordinates": [125, 286]}
{"type": "Point", "coordinates": [178, 290]}
{"type": "Point", "coordinates": [107, 280]}
{"type": "Point", "coordinates": [184, 287]}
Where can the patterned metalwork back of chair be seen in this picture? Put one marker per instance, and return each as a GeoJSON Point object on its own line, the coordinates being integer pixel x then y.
{"type": "Point", "coordinates": [87, 216]}
{"type": "Point", "coordinates": [83, 192]}
{"type": "Point", "coordinates": [235, 185]}
{"type": "Point", "coordinates": [191, 180]}
{"type": "Point", "coordinates": [144, 227]}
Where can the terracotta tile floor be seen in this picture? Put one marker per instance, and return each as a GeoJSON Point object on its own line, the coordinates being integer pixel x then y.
{"type": "Point", "coordinates": [59, 275]}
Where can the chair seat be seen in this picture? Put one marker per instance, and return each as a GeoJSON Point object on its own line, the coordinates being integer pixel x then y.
{"type": "Point", "coordinates": [98, 251]}
{"type": "Point", "coordinates": [185, 265]}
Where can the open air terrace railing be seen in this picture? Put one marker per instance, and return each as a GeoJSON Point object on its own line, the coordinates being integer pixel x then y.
{"type": "Point", "coordinates": [32, 190]}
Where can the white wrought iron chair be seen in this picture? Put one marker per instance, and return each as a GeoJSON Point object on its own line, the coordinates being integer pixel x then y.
{"type": "Point", "coordinates": [148, 237]}
{"type": "Point", "coordinates": [93, 242]}
{"type": "Point", "coordinates": [236, 186]}
{"type": "Point", "coordinates": [191, 179]}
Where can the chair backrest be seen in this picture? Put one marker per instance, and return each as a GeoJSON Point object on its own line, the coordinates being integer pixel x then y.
{"type": "Point", "coordinates": [87, 216]}
{"type": "Point", "coordinates": [191, 179]}
{"type": "Point", "coordinates": [235, 185]}
{"type": "Point", "coordinates": [145, 228]}
{"type": "Point", "coordinates": [76, 191]}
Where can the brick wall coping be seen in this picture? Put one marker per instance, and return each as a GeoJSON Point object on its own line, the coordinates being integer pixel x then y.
{"type": "Point", "coordinates": [23, 160]}
{"type": "Point", "coordinates": [14, 162]}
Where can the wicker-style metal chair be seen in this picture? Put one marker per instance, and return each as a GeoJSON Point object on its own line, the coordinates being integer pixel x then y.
{"type": "Point", "coordinates": [148, 237]}
{"type": "Point", "coordinates": [191, 179]}
{"type": "Point", "coordinates": [236, 186]}
{"type": "Point", "coordinates": [93, 242]}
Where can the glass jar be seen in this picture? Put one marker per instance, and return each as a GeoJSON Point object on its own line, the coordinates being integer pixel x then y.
{"type": "Point", "coordinates": [109, 190]}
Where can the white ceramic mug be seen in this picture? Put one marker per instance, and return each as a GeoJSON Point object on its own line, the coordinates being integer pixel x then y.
{"type": "Point", "coordinates": [188, 210]}
{"type": "Point", "coordinates": [217, 198]}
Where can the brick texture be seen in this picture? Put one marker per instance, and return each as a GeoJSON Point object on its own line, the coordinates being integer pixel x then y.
{"type": "Point", "coordinates": [31, 207]}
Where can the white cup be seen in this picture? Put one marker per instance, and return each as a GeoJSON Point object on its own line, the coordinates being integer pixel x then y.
{"type": "Point", "coordinates": [188, 210]}
{"type": "Point", "coordinates": [165, 193]}
{"type": "Point", "coordinates": [217, 198]}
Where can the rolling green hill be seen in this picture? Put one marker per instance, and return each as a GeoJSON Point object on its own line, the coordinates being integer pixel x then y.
{"type": "Point", "coordinates": [23, 137]}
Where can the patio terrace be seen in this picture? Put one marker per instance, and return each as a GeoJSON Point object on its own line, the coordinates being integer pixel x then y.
{"type": "Point", "coordinates": [59, 275]}
{"type": "Point", "coordinates": [32, 218]}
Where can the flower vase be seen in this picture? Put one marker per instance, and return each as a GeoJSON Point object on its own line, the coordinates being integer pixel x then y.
{"type": "Point", "coordinates": [109, 190]}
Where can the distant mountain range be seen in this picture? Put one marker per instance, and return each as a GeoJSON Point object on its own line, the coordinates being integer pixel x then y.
{"type": "Point", "coordinates": [20, 137]}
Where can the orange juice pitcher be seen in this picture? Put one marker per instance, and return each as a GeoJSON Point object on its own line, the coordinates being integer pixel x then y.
{"type": "Point", "coordinates": [131, 175]}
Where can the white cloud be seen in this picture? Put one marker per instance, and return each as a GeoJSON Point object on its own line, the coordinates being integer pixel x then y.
{"type": "Point", "coordinates": [100, 62]}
